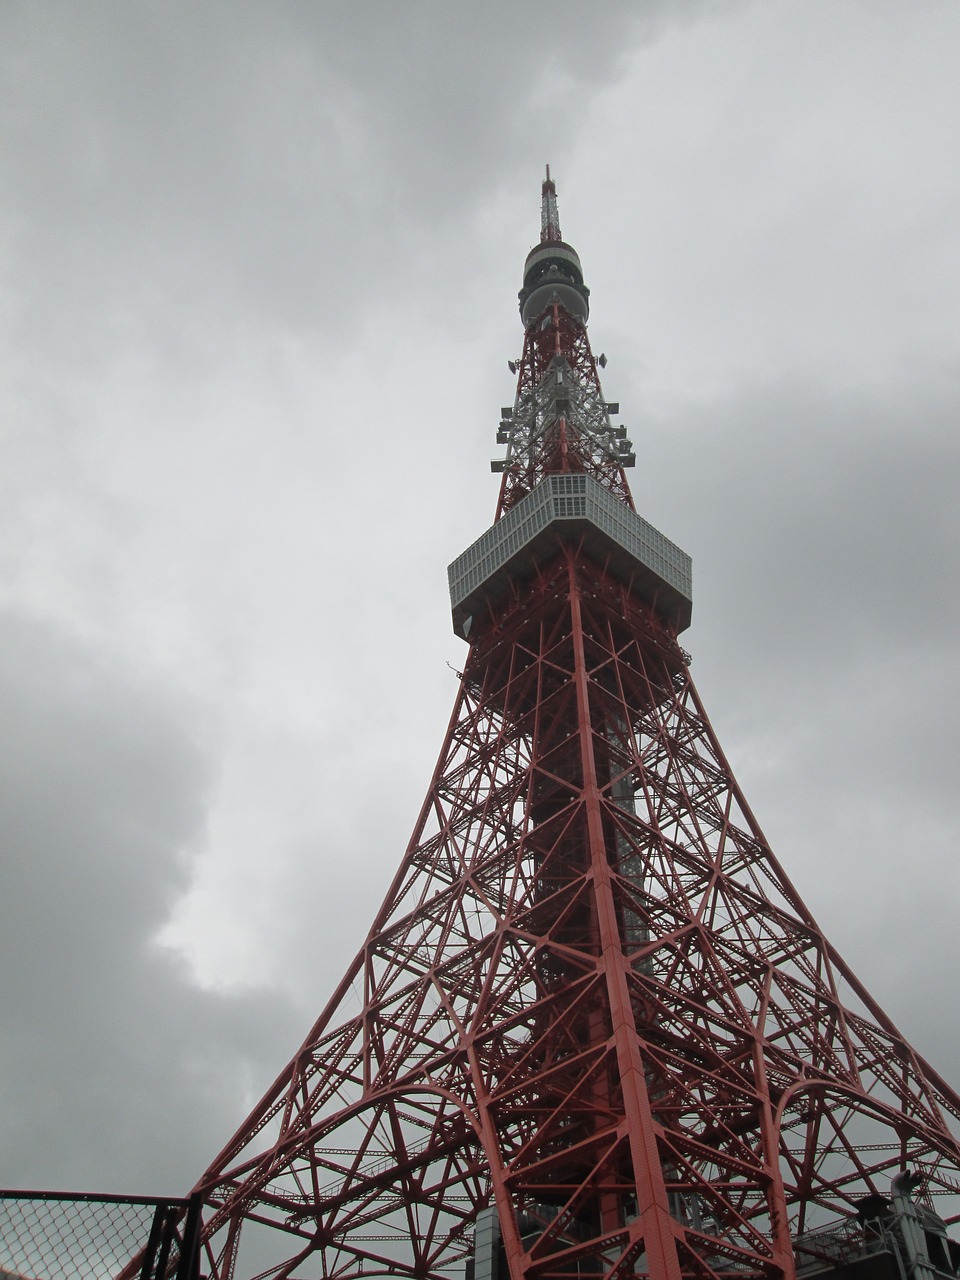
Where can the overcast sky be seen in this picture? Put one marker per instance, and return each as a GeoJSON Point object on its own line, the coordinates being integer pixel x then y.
{"type": "Point", "coordinates": [259, 272]}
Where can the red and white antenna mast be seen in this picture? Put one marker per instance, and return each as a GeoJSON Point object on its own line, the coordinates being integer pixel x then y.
{"type": "Point", "coordinates": [559, 420]}
{"type": "Point", "coordinates": [549, 215]}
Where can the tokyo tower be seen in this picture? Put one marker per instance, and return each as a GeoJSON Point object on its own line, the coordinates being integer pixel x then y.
{"type": "Point", "coordinates": [593, 1030]}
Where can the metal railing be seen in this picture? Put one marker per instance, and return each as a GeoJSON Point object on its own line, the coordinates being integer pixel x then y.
{"type": "Point", "coordinates": [66, 1235]}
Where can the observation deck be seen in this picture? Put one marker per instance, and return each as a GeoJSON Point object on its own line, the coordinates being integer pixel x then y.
{"type": "Point", "coordinates": [579, 509]}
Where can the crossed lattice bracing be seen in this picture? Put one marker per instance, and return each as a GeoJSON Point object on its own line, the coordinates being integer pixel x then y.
{"type": "Point", "coordinates": [591, 997]}
{"type": "Point", "coordinates": [560, 420]}
{"type": "Point", "coordinates": [593, 1029]}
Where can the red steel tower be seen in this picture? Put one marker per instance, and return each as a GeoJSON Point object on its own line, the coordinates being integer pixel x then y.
{"type": "Point", "coordinates": [593, 1030]}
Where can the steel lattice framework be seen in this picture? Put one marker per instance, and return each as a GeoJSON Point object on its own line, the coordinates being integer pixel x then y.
{"type": "Point", "coordinates": [593, 1029]}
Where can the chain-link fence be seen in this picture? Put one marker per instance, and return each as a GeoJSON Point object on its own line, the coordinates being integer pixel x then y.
{"type": "Point", "coordinates": [70, 1236]}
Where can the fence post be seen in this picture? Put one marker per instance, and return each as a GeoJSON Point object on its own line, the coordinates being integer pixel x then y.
{"type": "Point", "coordinates": [153, 1244]}
{"type": "Point", "coordinates": [189, 1268]}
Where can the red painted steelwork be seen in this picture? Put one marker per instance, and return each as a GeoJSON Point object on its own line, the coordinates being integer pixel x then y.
{"type": "Point", "coordinates": [563, 446]}
{"type": "Point", "coordinates": [591, 998]}
{"type": "Point", "coordinates": [549, 215]}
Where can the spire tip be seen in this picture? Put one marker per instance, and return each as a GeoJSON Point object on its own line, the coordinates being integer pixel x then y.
{"type": "Point", "coordinates": [549, 215]}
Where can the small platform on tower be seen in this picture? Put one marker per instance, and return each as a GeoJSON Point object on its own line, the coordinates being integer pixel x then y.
{"type": "Point", "coordinates": [578, 508]}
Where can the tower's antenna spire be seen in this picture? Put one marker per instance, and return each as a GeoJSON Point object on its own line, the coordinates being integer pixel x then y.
{"type": "Point", "coordinates": [549, 217]}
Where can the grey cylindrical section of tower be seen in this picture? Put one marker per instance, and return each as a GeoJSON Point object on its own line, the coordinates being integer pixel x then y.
{"type": "Point", "coordinates": [552, 273]}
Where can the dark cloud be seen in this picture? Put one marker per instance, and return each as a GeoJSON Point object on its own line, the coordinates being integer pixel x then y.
{"type": "Point", "coordinates": [103, 791]}
{"type": "Point", "coordinates": [823, 524]}
{"type": "Point", "coordinates": [303, 159]}
{"type": "Point", "coordinates": [260, 274]}
{"type": "Point", "coordinates": [833, 507]}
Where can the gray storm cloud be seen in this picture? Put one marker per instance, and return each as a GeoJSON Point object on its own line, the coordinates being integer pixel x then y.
{"type": "Point", "coordinates": [259, 273]}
